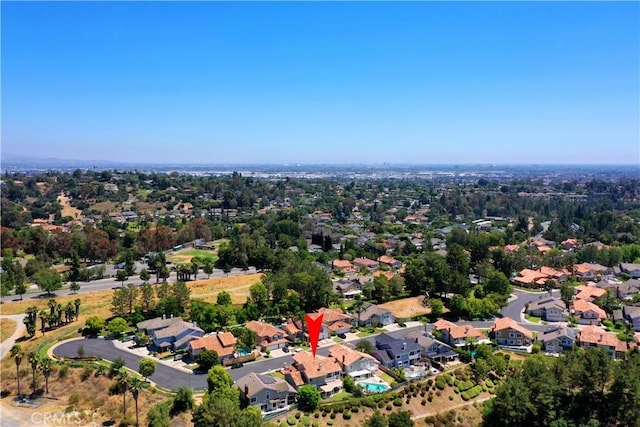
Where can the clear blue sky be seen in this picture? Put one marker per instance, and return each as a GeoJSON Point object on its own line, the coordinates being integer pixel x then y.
{"type": "Point", "coordinates": [417, 82]}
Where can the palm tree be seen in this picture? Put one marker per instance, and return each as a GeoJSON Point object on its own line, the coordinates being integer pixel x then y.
{"type": "Point", "coordinates": [43, 319]}
{"type": "Point", "coordinates": [33, 360]}
{"type": "Point", "coordinates": [52, 305]}
{"type": "Point", "coordinates": [135, 387]}
{"type": "Point", "coordinates": [76, 302]}
{"type": "Point", "coordinates": [59, 311]}
{"type": "Point", "coordinates": [123, 381]}
{"type": "Point", "coordinates": [358, 306]}
{"type": "Point", "coordinates": [17, 354]}
{"type": "Point", "coordinates": [46, 368]}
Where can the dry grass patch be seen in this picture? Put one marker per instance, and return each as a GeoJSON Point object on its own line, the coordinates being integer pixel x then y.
{"type": "Point", "coordinates": [237, 286]}
{"type": "Point", "coordinates": [7, 328]}
{"type": "Point", "coordinates": [104, 206]}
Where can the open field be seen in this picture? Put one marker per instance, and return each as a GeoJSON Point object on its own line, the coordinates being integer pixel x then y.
{"type": "Point", "coordinates": [406, 307]}
{"type": "Point", "coordinates": [7, 328]}
{"type": "Point", "coordinates": [104, 206]}
{"type": "Point", "coordinates": [237, 286]}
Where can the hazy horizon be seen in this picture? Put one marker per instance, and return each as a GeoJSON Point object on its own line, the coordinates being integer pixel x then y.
{"type": "Point", "coordinates": [417, 83]}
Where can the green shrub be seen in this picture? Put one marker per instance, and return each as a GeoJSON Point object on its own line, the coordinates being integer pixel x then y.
{"type": "Point", "coordinates": [330, 422]}
{"type": "Point", "coordinates": [63, 372]}
{"type": "Point", "coordinates": [298, 415]}
{"type": "Point", "coordinates": [388, 407]}
{"type": "Point", "coordinates": [490, 384]}
{"type": "Point", "coordinates": [316, 415]}
{"type": "Point", "coordinates": [465, 385]}
{"type": "Point", "coordinates": [346, 415]}
{"type": "Point", "coordinates": [291, 421]}
{"type": "Point", "coordinates": [423, 402]}
{"type": "Point", "coordinates": [456, 390]}
{"type": "Point", "coordinates": [332, 416]}
{"type": "Point", "coordinates": [451, 397]}
{"type": "Point", "coordinates": [429, 382]}
{"type": "Point", "coordinates": [471, 393]}
{"type": "Point", "coordinates": [397, 402]}
{"type": "Point", "coordinates": [380, 405]}
{"type": "Point", "coordinates": [355, 409]}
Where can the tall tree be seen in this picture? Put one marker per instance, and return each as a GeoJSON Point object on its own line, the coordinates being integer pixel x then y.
{"type": "Point", "coordinates": [48, 280]}
{"type": "Point", "coordinates": [46, 367]}
{"type": "Point", "coordinates": [135, 386]}
{"type": "Point", "coordinates": [32, 357]}
{"type": "Point", "coordinates": [17, 354]}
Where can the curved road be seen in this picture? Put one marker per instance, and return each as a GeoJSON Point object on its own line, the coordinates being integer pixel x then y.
{"type": "Point", "coordinates": [172, 378]}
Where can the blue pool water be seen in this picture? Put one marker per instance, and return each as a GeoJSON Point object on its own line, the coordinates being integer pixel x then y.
{"type": "Point", "coordinates": [243, 351]}
{"type": "Point", "coordinates": [374, 388]}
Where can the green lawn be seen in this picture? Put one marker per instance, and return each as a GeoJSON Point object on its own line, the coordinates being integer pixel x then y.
{"type": "Point", "coordinates": [340, 396]}
{"type": "Point", "coordinates": [388, 378]}
{"type": "Point", "coordinates": [337, 339]}
{"type": "Point", "coordinates": [369, 331]}
{"type": "Point", "coordinates": [277, 374]}
{"type": "Point", "coordinates": [531, 318]}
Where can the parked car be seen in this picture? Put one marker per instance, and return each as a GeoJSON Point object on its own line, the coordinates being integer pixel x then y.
{"type": "Point", "coordinates": [343, 336]}
{"type": "Point", "coordinates": [285, 349]}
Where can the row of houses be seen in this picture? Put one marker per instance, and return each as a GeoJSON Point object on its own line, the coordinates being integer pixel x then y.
{"type": "Point", "coordinates": [585, 272]}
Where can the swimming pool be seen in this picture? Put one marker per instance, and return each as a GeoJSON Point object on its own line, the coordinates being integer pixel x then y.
{"type": "Point", "coordinates": [243, 351]}
{"type": "Point", "coordinates": [374, 387]}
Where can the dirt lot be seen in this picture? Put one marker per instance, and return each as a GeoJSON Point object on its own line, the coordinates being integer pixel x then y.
{"type": "Point", "coordinates": [237, 286]}
{"type": "Point", "coordinates": [406, 307]}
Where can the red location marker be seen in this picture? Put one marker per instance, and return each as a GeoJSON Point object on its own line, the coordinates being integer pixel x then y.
{"type": "Point", "coordinates": [314, 326]}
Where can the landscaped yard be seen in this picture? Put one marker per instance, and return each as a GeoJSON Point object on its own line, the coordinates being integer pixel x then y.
{"type": "Point", "coordinates": [532, 319]}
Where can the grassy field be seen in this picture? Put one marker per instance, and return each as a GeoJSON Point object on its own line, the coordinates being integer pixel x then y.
{"type": "Point", "coordinates": [186, 255]}
{"type": "Point", "coordinates": [7, 328]}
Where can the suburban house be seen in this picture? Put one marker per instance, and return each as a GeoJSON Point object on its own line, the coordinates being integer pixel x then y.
{"type": "Point", "coordinates": [458, 335]}
{"type": "Point", "coordinates": [433, 349]}
{"type": "Point", "coordinates": [592, 336]}
{"type": "Point", "coordinates": [587, 312]}
{"type": "Point", "coordinates": [631, 269]}
{"type": "Point", "coordinates": [349, 289]}
{"type": "Point", "coordinates": [570, 245]}
{"type": "Point", "coordinates": [292, 332]}
{"type": "Point", "coordinates": [530, 278]}
{"type": "Point", "coordinates": [389, 261]}
{"type": "Point", "coordinates": [549, 309]}
{"type": "Point", "coordinates": [357, 365]}
{"type": "Point", "coordinates": [223, 343]}
{"type": "Point", "coordinates": [323, 372]}
{"type": "Point", "coordinates": [396, 352]}
{"type": "Point", "coordinates": [589, 271]}
{"type": "Point", "coordinates": [625, 290]}
{"type": "Point", "coordinates": [266, 392]}
{"type": "Point", "coordinates": [589, 293]}
{"type": "Point", "coordinates": [330, 317]}
{"type": "Point", "coordinates": [367, 263]}
{"type": "Point", "coordinates": [170, 334]}
{"type": "Point", "coordinates": [340, 265]}
{"type": "Point", "coordinates": [538, 278]}
{"type": "Point", "coordinates": [557, 339]}
{"type": "Point", "coordinates": [508, 332]}
{"type": "Point", "coordinates": [371, 314]}
{"type": "Point", "coordinates": [632, 314]}
{"type": "Point", "coordinates": [269, 337]}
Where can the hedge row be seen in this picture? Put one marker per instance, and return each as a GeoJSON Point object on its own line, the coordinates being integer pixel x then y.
{"type": "Point", "coordinates": [465, 385]}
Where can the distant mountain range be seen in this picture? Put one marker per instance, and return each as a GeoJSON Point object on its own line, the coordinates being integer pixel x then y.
{"type": "Point", "coordinates": [22, 159]}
